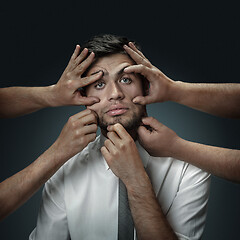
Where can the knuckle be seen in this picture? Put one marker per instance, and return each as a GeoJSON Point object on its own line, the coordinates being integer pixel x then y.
{"type": "Point", "coordinates": [77, 133]}
{"type": "Point", "coordinates": [93, 136]}
{"type": "Point", "coordinates": [107, 142]}
{"type": "Point", "coordinates": [122, 146]}
{"type": "Point", "coordinates": [69, 84]}
{"type": "Point", "coordinates": [129, 142]}
{"type": "Point", "coordinates": [82, 141]}
{"type": "Point", "coordinates": [71, 121]}
{"type": "Point", "coordinates": [69, 75]}
{"type": "Point", "coordinates": [115, 154]}
{"type": "Point", "coordinates": [95, 127]}
{"type": "Point", "coordinates": [151, 118]}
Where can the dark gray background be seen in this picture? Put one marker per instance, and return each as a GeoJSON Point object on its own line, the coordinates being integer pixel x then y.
{"type": "Point", "coordinates": [195, 41]}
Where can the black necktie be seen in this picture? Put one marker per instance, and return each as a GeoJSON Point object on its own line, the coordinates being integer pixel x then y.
{"type": "Point", "coordinates": [125, 221]}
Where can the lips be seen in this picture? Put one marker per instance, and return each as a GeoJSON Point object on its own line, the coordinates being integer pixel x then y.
{"type": "Point", "coordinates": [116, 110]}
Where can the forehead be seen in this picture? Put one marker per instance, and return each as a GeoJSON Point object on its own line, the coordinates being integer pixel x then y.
{"type": "Point", "coordinates": [111, 64]}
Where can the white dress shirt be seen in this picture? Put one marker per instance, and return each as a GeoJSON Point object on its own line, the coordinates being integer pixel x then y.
{"type": "Point", "coordinates": [80, 202]}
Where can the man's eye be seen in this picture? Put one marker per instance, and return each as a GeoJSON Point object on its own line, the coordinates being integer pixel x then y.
{"type": "Point", "coordinates": [99, 85]}
{"type": "Point", "coordinates": [126, 80]}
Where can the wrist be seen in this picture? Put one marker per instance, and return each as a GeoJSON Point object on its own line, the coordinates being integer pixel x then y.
{"type": "Point", "coordinates": [51, 96]}
{"type": "Point", "coordinates": [178, 148]}
{"type": "Point", "coordinates": [58, 155]}
{"type": "Point", "coordinates": [138, 183]}
{"type": "Point", "coordinates": [177, 91]}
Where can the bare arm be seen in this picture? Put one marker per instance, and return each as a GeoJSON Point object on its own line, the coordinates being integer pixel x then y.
{"type": "Point", "coordinates": [217, 99]}
{"type": "Point", "coordinates": [149, 220]}
{"type": "Point", "coordinates": [76, 134]}
{"type": "Point", "coordinates": [123, 158]}
{"type": "Point", "coordinates": [162, 141]}
{"type": "Point", "coordinates": [17, 101]}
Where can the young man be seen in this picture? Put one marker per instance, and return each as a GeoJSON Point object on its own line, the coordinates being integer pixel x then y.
{"type": "Point", "coordinates": [167, 197]}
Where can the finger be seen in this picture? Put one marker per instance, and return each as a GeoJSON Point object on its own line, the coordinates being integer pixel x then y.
{"type": "Point", "coordinates": [81, 68]}
{"type": "Point", "coordinates": [105, 153]}
{"type": "Point", "coordinates": [80, 115]}
{"type": "Point", "coordinates": [152, 122]}
{"type": "Point", "coordinates": [88, 119]}
{"type": "Point", "coordinates": [87, 101]}
{"type": "Point", "coordinates": [119, 129]}
{"type": "Point", "coordinates": [91, 137]}
{"type": "Point", "coordinates": [88, 80]}
{"type": "Point", "coordinates": [110, 146]}
{"type": "Point", "coordinates": [131, 45]}
{"type": "Point", "coordinates": [142, 132]}
{"type": "Point", "coordinates": [139, 59]}
{"type": "Point", "coordinates": [76, 52]}
{"type": "Point", "coordinates": [144, 100]}
{"type": "Point", "coordinates": [113, 137]}
{"type": "Point", "coordinates": [75, 59]}
{"type": "Point", "coordinates": [89, 129]}
{"type": "Point", "coordinates": [81, 57]}
{"type": "Point", "coordinates": [142, 69]}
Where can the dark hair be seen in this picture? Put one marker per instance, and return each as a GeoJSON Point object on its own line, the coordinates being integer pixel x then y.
{"type": "Point", "coordinates": [106, 44]}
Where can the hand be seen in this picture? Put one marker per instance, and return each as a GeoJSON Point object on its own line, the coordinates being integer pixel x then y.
{"type": "Point", "coordinates": [158, 140]}
{"type": "Point", "coordinates": [121, 154]}
{"type": "Point", "coordinates": [77, 133]}
{"type": "Point", "coordinates": [66, 92]}
{"type": "Point", "coordinates": [159, 83]}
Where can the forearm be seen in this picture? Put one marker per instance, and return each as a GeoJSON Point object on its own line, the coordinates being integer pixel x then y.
{"type": "Point", "coordinates": [217, 99]}
{"type": "Point", "coordinates": [17, 101]}
{"type": "Point", "coordinates": [149, 220]}
{"type": "Point", "coordinates": [221, 162]}
{"type": "Point", "coordinates": [17, 189]}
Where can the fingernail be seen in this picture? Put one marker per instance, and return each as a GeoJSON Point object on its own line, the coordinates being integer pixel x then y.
{"type": "Point", "coordinates": [109, 127]}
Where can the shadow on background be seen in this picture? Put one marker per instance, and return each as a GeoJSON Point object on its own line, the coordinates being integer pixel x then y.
{"type": "Point", "coordinates": [193, 42]}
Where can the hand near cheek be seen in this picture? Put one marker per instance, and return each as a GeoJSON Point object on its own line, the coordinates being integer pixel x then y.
{"type": "Point", "coordinates": [77, 133]}
{"type": "Point", "coordinates": [157, 139]}
{"type": "Point", "coordinates": [122, 155]}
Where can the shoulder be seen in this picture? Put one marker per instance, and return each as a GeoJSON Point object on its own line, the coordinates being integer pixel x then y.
{"type": "Point", "coordinates": [83, 156]}
{"type": "Point", "coordinates": [77, 162]}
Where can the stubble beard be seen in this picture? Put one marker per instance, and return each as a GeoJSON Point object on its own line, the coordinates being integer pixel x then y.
{"type": "Point", "coordinates": [131, 124]}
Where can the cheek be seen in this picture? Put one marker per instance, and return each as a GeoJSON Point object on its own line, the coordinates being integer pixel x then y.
{"type": "Point", "coordinates": [95, 107]}
{"type": "Point", "coordinates": [135, 92]}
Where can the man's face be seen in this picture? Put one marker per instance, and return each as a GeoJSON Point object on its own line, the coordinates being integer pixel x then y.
{"type": "Point", "coordinates": [116, 91]}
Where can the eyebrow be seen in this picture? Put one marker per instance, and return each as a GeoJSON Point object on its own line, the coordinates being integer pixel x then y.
{"type": "Point", "coordinates": [120, 72]}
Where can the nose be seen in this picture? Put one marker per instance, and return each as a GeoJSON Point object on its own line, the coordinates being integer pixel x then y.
{"type": "Point", "coordinates": [115, 92]}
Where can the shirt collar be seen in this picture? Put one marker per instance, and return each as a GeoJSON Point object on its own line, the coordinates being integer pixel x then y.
{"type": "Point", "coordinates": [142, 152]}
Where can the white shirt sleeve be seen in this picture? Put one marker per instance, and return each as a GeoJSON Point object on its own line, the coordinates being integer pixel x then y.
{"type": "Point", "coordinates": [187, 214]}
{"type": "Point", "coordinates": [52, 221]}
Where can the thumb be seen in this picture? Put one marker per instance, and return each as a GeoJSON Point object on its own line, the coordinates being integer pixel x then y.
{"type": "Point", "coordinates": [142, 131]}
{"type": "Point", "coordinates": [87, 101]}
{"type": "Point", "coordinates": [143, 100]}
